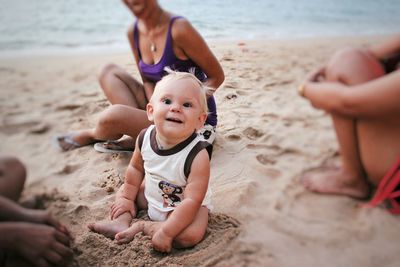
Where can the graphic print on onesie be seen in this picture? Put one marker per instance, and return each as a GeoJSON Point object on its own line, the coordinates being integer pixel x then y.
{"type": "Point", "coordinates": [172, 194]}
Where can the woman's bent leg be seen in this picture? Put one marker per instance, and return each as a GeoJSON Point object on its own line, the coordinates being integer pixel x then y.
{"type": "Point", "coordinates": [351, 67]}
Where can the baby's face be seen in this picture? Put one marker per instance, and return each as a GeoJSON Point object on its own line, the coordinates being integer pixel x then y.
{"type": "Point", "coordinates": [176, 109]}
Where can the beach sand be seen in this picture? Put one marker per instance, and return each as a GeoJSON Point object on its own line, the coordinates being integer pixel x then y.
{"type": "Point", "coordinates": [267, 137]}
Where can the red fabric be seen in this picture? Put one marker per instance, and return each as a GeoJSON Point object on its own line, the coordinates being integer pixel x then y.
{"type": "Point", "coordinates": [389, 189]}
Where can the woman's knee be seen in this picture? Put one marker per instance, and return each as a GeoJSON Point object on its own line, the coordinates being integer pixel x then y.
{"type": "Point", "coordinates": [111, 116]}
{"type": "Point", "coordinates": [107, 70]}
{"type": "Point", "coordinates": [353, 65]}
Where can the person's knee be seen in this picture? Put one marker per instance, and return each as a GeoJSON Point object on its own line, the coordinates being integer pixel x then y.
{"type": "Point", "coordinates": [189, 238]}
{"type": "Point", "coordinates": [15, 167]}
{"type": "Point", "coordinates": [13, 172]}
{"type": "Point", "coordinates": [106, 70]}
{"type": "Point", "coordinates": [111, 116]}
{"type": "Point", "coordinates": [349, 58]}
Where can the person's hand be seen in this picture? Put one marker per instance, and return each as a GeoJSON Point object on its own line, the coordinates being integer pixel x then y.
{"type": "Point", "coordinates": [45, 217]}
{"type": "Point", "coordinates": [122, 205]}
{"type": "Point", "coordinates": [317, 75]}
{"type": "Point", "coordinates": [161, 241]}
{"type": "Point", "coordinates": [41, 244]}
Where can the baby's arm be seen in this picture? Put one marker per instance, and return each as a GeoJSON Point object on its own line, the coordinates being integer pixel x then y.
{"type": "Point", "coordinates": [126, 195]}
{"type": "Point", "coordinates": [186, 212]}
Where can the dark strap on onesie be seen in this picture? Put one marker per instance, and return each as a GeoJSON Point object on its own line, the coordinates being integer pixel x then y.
{"type": "Point", "coordinates": [193, 153]}
{"type": "Point", "coordinates": [141, 137]}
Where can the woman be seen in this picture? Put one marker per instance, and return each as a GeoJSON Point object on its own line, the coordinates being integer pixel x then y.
{"type": "Point", "coordinates": [158, 39]}
{"type": "Point", "coordinates": [360, 89]}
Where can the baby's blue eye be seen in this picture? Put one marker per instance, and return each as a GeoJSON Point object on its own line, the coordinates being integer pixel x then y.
{"type": "Point", "coordinates": [187, 105]}
{"type": "Point", "coordinates": [167, 101]}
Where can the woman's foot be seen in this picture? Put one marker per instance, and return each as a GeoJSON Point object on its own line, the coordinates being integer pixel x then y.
{"type": "Point", "coordinates": [125, 145]}
{"type": "Point", "coordinates": [336, 181]}
{"type": "Point", "coordinates": [72, 141]}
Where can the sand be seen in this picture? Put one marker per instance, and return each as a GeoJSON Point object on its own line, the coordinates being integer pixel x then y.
{"type": "Point", "coordinates": [267, 137]}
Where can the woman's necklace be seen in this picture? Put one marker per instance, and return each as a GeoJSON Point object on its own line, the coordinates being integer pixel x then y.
{"type": "Point", "coordinates": [153, 47]}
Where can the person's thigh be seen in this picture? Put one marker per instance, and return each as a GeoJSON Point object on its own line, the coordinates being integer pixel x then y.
{"type": "Point", "coordinates": [379, 144]}
{"type": "Point", "coordinates": [120, 120]}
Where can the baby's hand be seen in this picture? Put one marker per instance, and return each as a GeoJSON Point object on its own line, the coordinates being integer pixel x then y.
{"type": "Point", "coordinates": [122, 205]}
{"type": "Point", "coordinates": [161, 241]}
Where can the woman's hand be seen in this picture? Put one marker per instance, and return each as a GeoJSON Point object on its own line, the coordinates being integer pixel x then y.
{"type": "Point", "coordinates": [317, 75]}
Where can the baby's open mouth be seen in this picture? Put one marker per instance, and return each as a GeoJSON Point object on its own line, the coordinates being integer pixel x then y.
{"type": "Point", "coordinates": [174, 120]}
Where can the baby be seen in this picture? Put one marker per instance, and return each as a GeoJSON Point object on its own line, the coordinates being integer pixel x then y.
{"type": "Point", "coordinates": [169, 171]}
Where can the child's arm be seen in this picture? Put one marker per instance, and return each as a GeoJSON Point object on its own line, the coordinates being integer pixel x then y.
{"type": "Point", "coordinates": [126, 196]}
{"type": "Point", "coordinates": [185, 213]}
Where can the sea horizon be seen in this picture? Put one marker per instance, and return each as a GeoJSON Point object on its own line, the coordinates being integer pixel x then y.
{"type": "Point", "coordinates": [93, 26]}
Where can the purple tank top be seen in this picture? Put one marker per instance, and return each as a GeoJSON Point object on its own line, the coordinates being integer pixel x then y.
{"type": "Point", "coordinates": [154, 72]}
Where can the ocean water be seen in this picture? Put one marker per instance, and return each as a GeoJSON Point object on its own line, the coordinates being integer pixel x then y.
{"type": "Point", "coordinates": [43, 26]}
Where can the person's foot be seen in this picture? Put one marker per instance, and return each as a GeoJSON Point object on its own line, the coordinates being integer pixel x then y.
{"type": "Point", "coordinates": [335, 181]}
{"type": "Point", "coordinates": [115, 146]}
{"type": "Point", "coordinates": [109, 228]}
{"type": "Point", "coordinates": [128, 235]}
{"type": "Point", "coordinates": [72, 141]}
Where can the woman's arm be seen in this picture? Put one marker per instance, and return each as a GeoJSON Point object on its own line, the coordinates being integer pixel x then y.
{"type": "Point", "coordinates": [379, 97]}
{"type": "Point", "coordinates": [193, 45]}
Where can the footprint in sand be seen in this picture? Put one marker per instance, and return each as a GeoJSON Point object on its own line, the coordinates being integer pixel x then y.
{"type": "Point", "coordinates": [218, 247]}
{"type": "Point", "coordinates": [68, 169]}
{"type": "Point", "coordinates": [67, 107]}
{"type": "Point", "coordinates": [252, 133]}
{"type": "Point", "coordinates": [233, 137]}
{"type": "Point", "coordinates": [265, 159]}
{"type": "Point", "coordinates": [231, 96]}
{"type": "Point", "coordinates": [17, 127]}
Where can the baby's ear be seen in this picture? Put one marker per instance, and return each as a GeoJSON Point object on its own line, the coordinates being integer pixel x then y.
{"type": "Point", "coordinates": [149, 110]}
{"type": "Point", "coordinates": [202, 120]}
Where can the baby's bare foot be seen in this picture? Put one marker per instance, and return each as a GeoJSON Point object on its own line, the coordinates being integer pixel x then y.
{"type": "Point", "coordinates": [336, 181]}
{"type": "Point", "coordinates": [128, 235]}
{"type": "Point", "coordinates": [109, 228]}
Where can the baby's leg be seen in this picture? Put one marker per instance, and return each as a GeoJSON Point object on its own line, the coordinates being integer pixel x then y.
{"type": "Point", "coordinates": [195, 232]}
{"type": "Point", "coordinates": [111, 228]}
{"type": "Point", "coordinates": [128, 235]}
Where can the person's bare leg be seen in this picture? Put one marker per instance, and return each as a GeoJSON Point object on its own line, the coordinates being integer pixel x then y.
{"type": "Point", "coordinates": [12, 177]}
{"type": "Point", "coordinates": [121, 88]}
{"type": "Point", "coordinates": [349, 67]}
{"type": "Point", "coordinates": [379, 145]}
{"type": "Point", "coordinates": [111, 228]}
{"type": "Point", "coordinates": [113, 123]}
{"type": "Point", "coordinates": [189, 237]}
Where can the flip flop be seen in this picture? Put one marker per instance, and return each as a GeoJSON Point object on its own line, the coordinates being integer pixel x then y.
{"type": "Point", "coordinates": [102, 147]}
{"type": "Point", "coordinates": [66, 138]}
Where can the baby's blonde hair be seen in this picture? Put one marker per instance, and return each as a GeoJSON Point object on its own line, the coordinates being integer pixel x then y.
{"type": "Point", "coordinates": [176, 75]}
